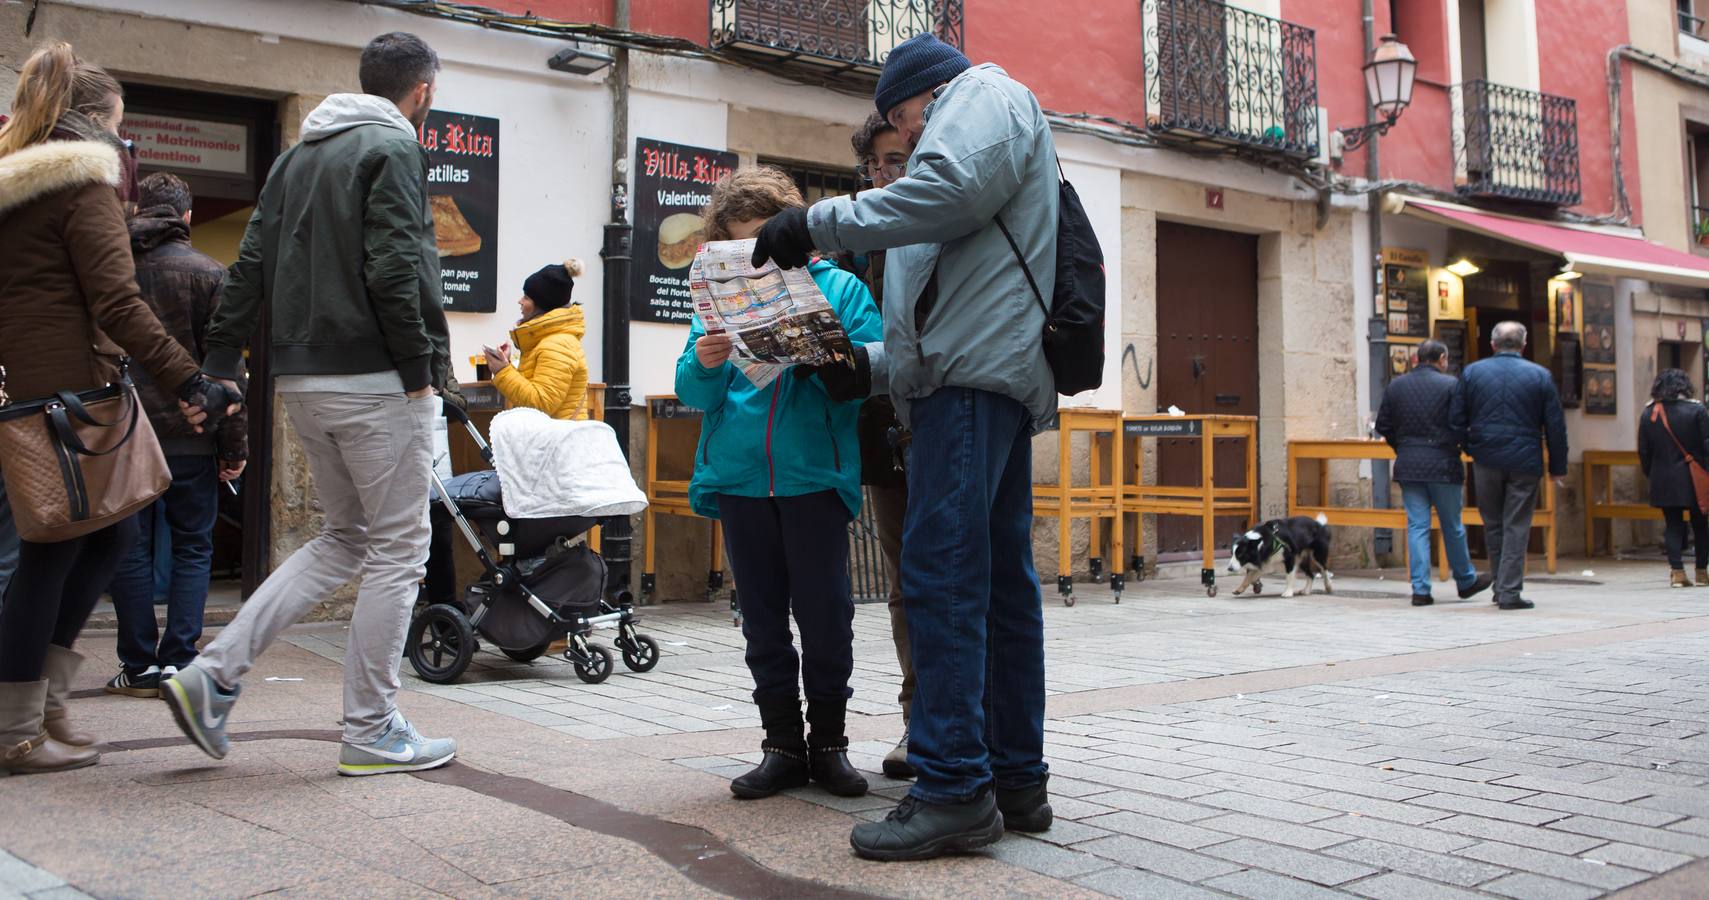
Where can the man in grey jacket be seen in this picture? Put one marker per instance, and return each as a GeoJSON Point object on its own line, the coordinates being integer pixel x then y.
{"type": "Point", "coordinates": [963, 363]}
{"type": "Point", "coordinates": [340, 249]}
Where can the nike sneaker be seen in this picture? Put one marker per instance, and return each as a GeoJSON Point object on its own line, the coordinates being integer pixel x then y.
{"type": "Point", "coordinates": [200, 707]}
{"type": "Point", "coordinates": [400, 749]}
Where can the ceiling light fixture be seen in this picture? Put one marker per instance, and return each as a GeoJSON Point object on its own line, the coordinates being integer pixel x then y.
{"type": "Point", "coordinates": [1464, 268]}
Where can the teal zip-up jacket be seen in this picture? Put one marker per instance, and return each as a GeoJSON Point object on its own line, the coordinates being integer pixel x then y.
{"type": "Point", "coordinates": [788, 438]}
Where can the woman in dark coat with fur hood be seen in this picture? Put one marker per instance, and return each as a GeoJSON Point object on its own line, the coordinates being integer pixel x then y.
{"type": "Point", "coordinates": [1671, 487]}
{"type": "Point", "coordinates": [71, 308]}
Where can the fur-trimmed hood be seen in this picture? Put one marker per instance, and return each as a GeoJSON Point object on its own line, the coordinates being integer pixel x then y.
{"type": "Point", "coordinates": [34, 172]}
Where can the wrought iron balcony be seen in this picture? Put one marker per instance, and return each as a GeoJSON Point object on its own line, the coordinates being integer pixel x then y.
{"type": "Point", "coordinates": [1515, 144]}
{"type": "Point", "coordinates": [831, 35]}
{"type": "Point", "coordinates": [1220, 75]}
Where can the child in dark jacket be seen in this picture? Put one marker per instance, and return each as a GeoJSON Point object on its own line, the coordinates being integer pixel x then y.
{"type": "Point", "coordinates": [779, 466]}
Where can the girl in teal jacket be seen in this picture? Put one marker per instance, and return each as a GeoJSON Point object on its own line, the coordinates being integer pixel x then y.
{"type": "Point", "coordinates": [780, 467]}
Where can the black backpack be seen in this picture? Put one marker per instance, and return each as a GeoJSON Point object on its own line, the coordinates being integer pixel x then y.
{"type": "Point", "coordinates": [1074, 318]}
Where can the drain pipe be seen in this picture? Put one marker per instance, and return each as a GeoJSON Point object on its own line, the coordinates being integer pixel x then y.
{"type": "Point", "coordinates": [1623, 203]}
{"type": "Point", "coordinates": [1377, 330]}
{"type": "Point", "coordinates": [616, 539]}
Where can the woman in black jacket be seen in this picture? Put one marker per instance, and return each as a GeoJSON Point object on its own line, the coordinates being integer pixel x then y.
{"type": "Point", "coordinates": [1661, 455]}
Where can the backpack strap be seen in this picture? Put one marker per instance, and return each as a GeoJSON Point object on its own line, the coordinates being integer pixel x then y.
{"type": "Point", "coordinates": [1024, 270]}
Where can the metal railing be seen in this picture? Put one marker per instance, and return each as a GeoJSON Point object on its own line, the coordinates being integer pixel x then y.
{"type": "Point", "coordinates": [1690, 24]}
{"type": "Point", "coordinates": [845, 34]}
{"type": "Point", "coordinates": [1515, 144]}
{"type": "Point", "coordinates": [1225, 75]}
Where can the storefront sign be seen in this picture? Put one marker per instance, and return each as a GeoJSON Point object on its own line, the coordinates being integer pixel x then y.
{"type": "Point", "coordinates": [1406, 291]}
{"type": "Point", "coordinates": [1162, 427]}
{"type": "Point", "coordinates": [671, 408]}
{"type": "Point", "coordinates": [462, 186]}
{"type": "Point", "coordinates": [189, 144]}
{"type": "Point", "coordinates": [672, 186]}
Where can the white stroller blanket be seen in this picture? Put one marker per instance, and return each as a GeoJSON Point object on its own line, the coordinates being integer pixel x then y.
{"type": "Point", "coordinates": [551, 468]}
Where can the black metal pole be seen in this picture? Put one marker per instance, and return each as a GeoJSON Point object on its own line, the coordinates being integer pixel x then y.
{"type": "Point", "coordinates": [1377, 333]}
{"type": "Point", "coordinates": [617, 536]}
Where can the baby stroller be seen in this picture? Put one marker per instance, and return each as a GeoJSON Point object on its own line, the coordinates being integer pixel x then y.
{"type": "Point", "coordinates": [542, 585]}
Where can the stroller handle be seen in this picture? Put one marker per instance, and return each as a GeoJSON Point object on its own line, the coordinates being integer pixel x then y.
{"type": "Point", "coordinates": [456, 414]}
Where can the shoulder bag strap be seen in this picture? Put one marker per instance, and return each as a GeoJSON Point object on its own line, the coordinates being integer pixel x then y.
{"type": "Point", "coordinates": [1662, 413]}
{"type": "Point", "coordinates": [1024, 270]}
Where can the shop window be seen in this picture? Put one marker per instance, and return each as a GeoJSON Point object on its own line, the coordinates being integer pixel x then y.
{"type": "Point", "coordinates": [1697, 176]}
{"type": "Point", "coordinates": [816, 181]}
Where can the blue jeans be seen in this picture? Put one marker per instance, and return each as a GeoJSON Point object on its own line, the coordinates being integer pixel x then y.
{"type": "Point", "coordinates": [975, 615]}
{"type": "Point", "coordinates": [192, 504]}
{"type": "Point", "coordinates": [1448, 499]}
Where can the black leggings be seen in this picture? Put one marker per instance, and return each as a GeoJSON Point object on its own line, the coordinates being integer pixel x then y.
{"type": "Point", "coordinates": [52, 594]}
{"type": "Point", "coordinates": [1675, 518]}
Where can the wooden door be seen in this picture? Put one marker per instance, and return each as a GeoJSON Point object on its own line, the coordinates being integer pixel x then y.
{"type": "Point", "coordinates": [1207, 336]}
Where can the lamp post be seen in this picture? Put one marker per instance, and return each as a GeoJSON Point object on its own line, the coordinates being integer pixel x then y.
{"type": "Point", "coordinates": [1389, 74]}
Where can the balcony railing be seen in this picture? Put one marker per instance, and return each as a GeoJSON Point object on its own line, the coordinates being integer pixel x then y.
{"type": "Point", "coordinates": [1515, 144]}
{"type": "Point", "coordinates": [846, 35]}
{"type": "Point", "coordinates": [1690, 24]}
{"type": "Point", "coordinates": [1221, 75]}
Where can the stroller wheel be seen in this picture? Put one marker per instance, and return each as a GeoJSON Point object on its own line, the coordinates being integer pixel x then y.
{"type": "Point", "coordinates": [440, 644]}
{"type": "Point", "coordinates": [598, 667]}
{"type": "Point", "coordinates": [642, 654]}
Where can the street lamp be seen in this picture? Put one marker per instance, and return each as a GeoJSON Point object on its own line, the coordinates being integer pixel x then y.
{"type": "Point", "coordinates": [1388, 86]}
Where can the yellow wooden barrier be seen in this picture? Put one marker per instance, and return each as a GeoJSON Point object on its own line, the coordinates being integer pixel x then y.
{"type": "Point", "coordinates": [668, 418]}
{"type": "Point", "coordinates": [1599, 494]}
{"type": "Point", "coordinates": [1322, 452]}
{"type": "Point", "coordinates": [1099, 500]}
{"type": "Point", "coordinates": [1206, 500]}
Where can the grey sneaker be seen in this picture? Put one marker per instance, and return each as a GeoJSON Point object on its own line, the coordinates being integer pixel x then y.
{"type": "Point", "coordinates": [399, 749]}
{"type": "Point", "coordinates": [201, 708]}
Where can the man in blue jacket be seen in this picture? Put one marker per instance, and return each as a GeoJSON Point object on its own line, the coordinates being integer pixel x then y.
{"type": "Point", "coordinates": [1507, 407]}
{"type": "Point", "coordinates": [1414, 419]}
{"type": "Point", "coordinates": [963, 363]}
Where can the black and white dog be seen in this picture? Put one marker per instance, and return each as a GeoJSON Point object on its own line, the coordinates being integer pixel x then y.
{"type": "Point", "coordinates": [1297, 546]}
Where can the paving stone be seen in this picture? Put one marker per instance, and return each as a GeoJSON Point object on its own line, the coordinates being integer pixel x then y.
{"type": "Point", "coordinates": [1464, 788]}
{"type": "Point", "coordinates": [1265, 886]}
{"type": "Point", "coordinates": [1395, 886]}
{"type": "Point", "coordinates": [1601, 809]}
{"type": "Point", "coordinates": [1382, 809]}
{"type": "Point", "coordinates": [1065, 832]}
{"type": "Point", "coordinates": [1554, 865]}
{"type": "Point", "coordinates": [1302, 836]}
{"type": "Point", "coordinates": [1612, 793]}
{"type": "Point", "coordinates": [1159, 858]}
{"type": "Point", "coordinates": [1176, 834]}
{"type": "Point", "coordinates": [1522, 835]}
{"type": "Point", "coordinates": [1286, 861]}
{"type": "Point", "coordinates": [1526, 815]}
{"type": "Point", "coordinates": [1046, 859]}
{"type": "Point", "coordinates": [1266, 807]}
{"type": "Point", "coordinates": [1075, 808]}
{"type": "Point", "coordinates": [1525, 886]}
{"type": "Point", "coordinates": [1434, 866]}
{"type": "Point", "coordinates": [1162, 808]}
{"type": "Point", "coordinates": [1261, 787]}
{"type": "Point", "coordinates": [1129, 883]}
{"type": "Point", "coordinates": [22, 877]}
{"type": "Point", "coordinates": [1655, 838]}
{"type": "Point", "coordinates": [1638, 857]}
{"type": "Point", "coordinates": [1396, 833]}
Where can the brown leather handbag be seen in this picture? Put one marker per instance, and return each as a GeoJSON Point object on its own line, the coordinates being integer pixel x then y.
{"type": "Point", "coordinates": [1699, 477]}
{"type": "Point", "coordinates": [75, 463]}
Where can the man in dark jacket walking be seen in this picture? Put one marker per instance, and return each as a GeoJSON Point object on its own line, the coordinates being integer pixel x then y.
{"type": "Point", "coordinates": [1414, 419]}
{"type": "Point", "coordinates": [341, 251]}
{"type": "Point", "coordinates": [182, 286]}
{"type": "Point", "coordinates": [1507, 407]}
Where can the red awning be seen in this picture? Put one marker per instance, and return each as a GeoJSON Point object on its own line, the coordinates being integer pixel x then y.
{"type": "Point", "coordinates": [1586, 248]}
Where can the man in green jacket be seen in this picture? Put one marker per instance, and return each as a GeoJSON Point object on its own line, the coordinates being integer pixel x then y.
{"type": "Point", "coordinates": [340, 250]}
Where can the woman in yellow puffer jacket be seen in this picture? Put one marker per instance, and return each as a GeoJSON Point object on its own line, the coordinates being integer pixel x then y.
{"type": "Point", "coordinates": [552, 373]}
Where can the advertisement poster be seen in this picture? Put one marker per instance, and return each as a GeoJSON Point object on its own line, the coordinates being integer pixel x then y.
{"type": "Point", "coordinates": [1406, 292]}
{"type": "Point", "coordinates": [672, 185]}
{"type": "Point", "coordinates": [462, 187]}
{"type": "Point", "coordinates": [1565, 320]}
{"type": "Point", "coordinates": [1600, 398]}
{"type": "Point", "coordinates": [192, 144]}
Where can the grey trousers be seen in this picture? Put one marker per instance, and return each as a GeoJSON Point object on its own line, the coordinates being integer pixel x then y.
{"type": "Point", "coordinates": [890, 508]}
{"type": "Point", "coordinates": [370, 455]}
{"type": "Point", "coordinates": [1506, 500]}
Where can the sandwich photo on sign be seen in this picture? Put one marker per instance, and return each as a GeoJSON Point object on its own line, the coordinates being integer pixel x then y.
{"type": "Point", "coordinates": [679, 238]}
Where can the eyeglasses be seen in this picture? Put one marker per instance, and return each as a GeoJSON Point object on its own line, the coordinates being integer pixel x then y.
{"type": "Point", "coordinates": [891, 172]}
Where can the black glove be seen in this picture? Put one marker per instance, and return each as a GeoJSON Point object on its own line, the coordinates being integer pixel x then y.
{"type": "Point", "coordinates": [210, 396]}
{"type": "Point", "coordinates": [843, 381]}
{"type": "Point", "coordinates": [785, 239]}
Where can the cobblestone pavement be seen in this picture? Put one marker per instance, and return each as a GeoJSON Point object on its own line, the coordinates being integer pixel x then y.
{"type": "Point", "coordinates": [1345, 745]}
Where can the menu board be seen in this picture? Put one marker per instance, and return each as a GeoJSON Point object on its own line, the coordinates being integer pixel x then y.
{"type": "Point", "coordinates": [1406, 289]}
{"type": "Point", "coordinates": [462, 188]}
{"type": "Point", "coordinates": [1599, 336]}
{"type": "Point", "coordinates": [672, 185]}
{"type": "Point", "coordinates": [1600, 398]}
{"type": "Point", "coordinates": [1452, 333]}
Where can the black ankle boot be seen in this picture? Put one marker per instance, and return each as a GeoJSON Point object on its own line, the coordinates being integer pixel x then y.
{"type": "Point", "coordinates": [785, 762]}
{"type": "Point", "coordinates": [1026, 809]}
{"type": "Point", "coordinates": [781, 770]}
{"type": "Point", "coordinates": [828, 749]}
{"type": "Point", "coordinates": [919, 830]}
{"type": "Point", "coordinates": [829, 767]}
